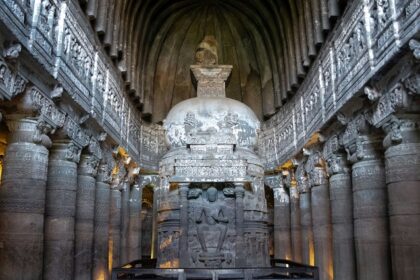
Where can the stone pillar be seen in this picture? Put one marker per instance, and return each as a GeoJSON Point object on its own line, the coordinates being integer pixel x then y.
{"type": "Point", "coordinates": [102, 206]}
{"type": "Point", "coordinates": [125, 217]}
{"type": "Point", "coordinates": [22, 200]}
{"type": "Point", "coordinates": [341, 198]}
{"type": "Point", "coordinates": [134, 228]}
{"type": "Point", "coordinates": [321, 215]}
{"type": "Point", "coordinates": [239, 217]}
{"type": "Point", "coordinates": [114, 226]}
{"type": "Point", "coordinates": [85, 211]}
{"type": "Point", "coordinates": [402, 166]}
{"type": "Point", "coordinates": [296, 234]}
{"type": "Point", "coordinates": [183, 224]}
{"type": "Point", "coordinates": [282, 240]}
{"type": "Point", "coordinates": [305, 215]}
{"type": "Point", "coordinates": [60, 210]}
{"type": "Point", "coordinates": [369, 201]}
{"type": "Point", "coordinates": [341, 211]}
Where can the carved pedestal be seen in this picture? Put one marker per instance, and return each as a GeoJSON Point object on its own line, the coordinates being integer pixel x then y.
{"type": "Point", "coordinates": [282, 240]}
{"type": "Point", "coordinates": [60, 210]}
{"type": "Point", "coordinates": [22, 202]}
{"type": "Point", "coordinates": [402, 166]}
{"type": "Point", "coordinates": [114, 226]}
{"type": "Point", "coordinates": [296, 233]}
{"type": "Point", "coordinates": [102, 205]}
{"type": "Point", "coordinates": [134, 227]}
{"type": "Point", "coordinates": [85, 211]}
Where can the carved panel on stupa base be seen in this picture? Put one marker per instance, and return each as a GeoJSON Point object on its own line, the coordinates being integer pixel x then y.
{"type": "Point", "coordinates": [211, 226]}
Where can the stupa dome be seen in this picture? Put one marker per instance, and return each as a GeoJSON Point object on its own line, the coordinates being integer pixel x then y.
{"type": "Point", "coordinates": [211, 120]}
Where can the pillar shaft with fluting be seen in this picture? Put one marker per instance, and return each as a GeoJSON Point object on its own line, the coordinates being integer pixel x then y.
{"type": "Point", "coordinates": [134, 228]}
{"type": "Point", "coordinates": [305, 215]}
{"type": "Point", "coordinates": [115, 226]}
{"type": "Point", "coordinates": [125, 217]}
{"type": "Point", "coordinates": [282, 239]}
{"type": "Point", "coordinates": [295, 228]}
{"type": "Point", "coordinates": [85, 211]}
{"type": "Point", "coordinates": [22, 202]}
{"type": "Point", "coordinates": [102, 204]}
{"type": "Point", "coordinates": [363, 146]}
{"type": "Point", "coordinates": [60, 210]}
{"type": "Point", "coordinates": [341, 199]}
{"type": "Point", "coordinates": [321, 216]}
{"type": "Point", "coordinates": [402, 171]}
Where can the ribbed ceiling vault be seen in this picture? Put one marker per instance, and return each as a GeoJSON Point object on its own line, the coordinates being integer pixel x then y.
{"type": "Point", "coordinates": [270, 43]}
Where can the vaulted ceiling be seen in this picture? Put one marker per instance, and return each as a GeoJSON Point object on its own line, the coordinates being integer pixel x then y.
{"type": "Point", "coordinates": [270, 43]}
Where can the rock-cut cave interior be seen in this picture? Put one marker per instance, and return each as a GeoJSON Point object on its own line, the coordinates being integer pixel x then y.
{"type": "Point", "coordinates": [209, 139]}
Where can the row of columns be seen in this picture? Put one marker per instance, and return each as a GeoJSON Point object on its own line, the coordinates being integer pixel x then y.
{"type": "Point", "coordinates": [59, 209]}
{"type": "Point", "coordinates": [361, 220]}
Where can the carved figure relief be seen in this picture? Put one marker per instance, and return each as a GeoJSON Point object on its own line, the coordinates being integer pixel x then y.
{"type": "Point", "coordinates": [211, 227]}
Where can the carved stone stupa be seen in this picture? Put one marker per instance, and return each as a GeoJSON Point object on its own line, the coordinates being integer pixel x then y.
{"type": "Point", "coordinates": [212, 209]}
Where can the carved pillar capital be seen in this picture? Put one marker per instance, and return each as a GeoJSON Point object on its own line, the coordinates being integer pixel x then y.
{"type": "Point", "coordinates": [88, 165]}
{"type": "Point", "coordinates": [360, 140]}
{"type": "Point", "coordinates": [65, 149]}
{"type": "Point", "coordinates": [28, 129]}
{"type": "Point", "coordinates": [302, 178]}
{"type": "Point", "coordinates": [334, 155]}
{"type": "Point", "coordinates": [104, 172]}
{"type": "Point", "coordinates": [316, 169]}
{"type": "Point", "coordinates": [274, 181]}
{"type": "Point", "coordinates": [401, 129]}
{"type": "Point", "coordinates": [239, 190]}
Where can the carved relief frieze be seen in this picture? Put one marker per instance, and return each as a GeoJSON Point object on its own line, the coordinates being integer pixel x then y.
{"type": "Point", "coordinates": [44, 34]}
{"type": "Point", "coordinates": [351, 45]}
{"type": "Point", "coordinates": [328, 81]}
{"type": "Point", "coordinates": [100, 85]}
{"type": "Point", "coordinates": [407, 14]}
{"type": "Point", "coordinates": [113, 106]}
{"type": "Point", "coordinates": [75, 63]}
{"type": "Point", "coordinates": [381, 30]}
{"type": "Point", "coordinates": [22, 11]}
{"type": "Point", "coordinates": [313, 108]}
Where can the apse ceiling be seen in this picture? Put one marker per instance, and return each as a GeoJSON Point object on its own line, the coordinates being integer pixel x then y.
{"type": "Point", "coordinates": [270, 44]}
